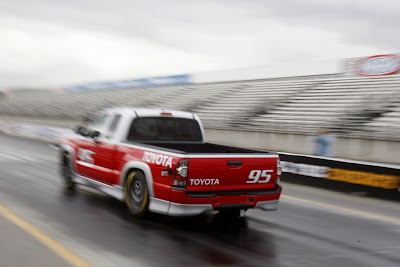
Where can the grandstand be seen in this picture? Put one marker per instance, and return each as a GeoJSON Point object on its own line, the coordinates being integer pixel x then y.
{"type": "Point", "coordinates": [345, 105]}
{"type": "Point", "coordinates": [353, 106]}
{"type": "Point", "coordinates": [366, 107]}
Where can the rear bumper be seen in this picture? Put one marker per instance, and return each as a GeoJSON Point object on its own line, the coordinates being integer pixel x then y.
{"type": "Point", "coordinates": [176, 209]}
{"type": "Point", "coordinates": [183, 205]}
{"type": "Point", "coordinates": [267, 205]}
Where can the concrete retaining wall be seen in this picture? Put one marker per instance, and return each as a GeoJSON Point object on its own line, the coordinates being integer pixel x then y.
{"type": "Point", "coordinates": [346, 148]}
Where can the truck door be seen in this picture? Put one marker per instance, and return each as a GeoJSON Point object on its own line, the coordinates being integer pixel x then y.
{"type": "Point", "coordinates": [104, 156]}
{"type": "Point", "coordinates": [95, 154]}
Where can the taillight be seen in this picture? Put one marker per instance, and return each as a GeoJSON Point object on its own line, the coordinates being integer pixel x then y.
{"type": "Point", "coordinates": [180, 173]}
{"type": "Point", "coordinates": [278, 170]}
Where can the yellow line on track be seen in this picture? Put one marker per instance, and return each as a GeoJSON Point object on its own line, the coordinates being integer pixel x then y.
{"type": "Point", "coordinates": [355, 211]}
{"type": "Point", "coordinates": [42, 237]}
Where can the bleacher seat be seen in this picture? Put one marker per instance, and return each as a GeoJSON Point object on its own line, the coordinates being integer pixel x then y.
{"type": "Point", "coordinates": [352, 106]}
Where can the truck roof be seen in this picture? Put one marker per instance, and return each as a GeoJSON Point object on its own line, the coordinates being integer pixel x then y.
{"type": "Point", "coordinates": [148, 112]}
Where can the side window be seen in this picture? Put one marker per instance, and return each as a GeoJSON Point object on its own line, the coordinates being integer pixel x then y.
{"type": "Point", "coordinates": [98, 124]}
{"type": "Point", "coordinates": [113, 126]}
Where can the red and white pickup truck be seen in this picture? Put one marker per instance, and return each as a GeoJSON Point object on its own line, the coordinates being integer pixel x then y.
{"type": "Point", "coordinates": [159, 161]}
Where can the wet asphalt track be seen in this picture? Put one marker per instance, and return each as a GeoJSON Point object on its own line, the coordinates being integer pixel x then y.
{"type": "Point", "coordinates": [313, 227]}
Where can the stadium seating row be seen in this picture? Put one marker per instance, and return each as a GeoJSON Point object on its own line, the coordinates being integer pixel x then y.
{"type": "Point", "coordinates": [366, 107]}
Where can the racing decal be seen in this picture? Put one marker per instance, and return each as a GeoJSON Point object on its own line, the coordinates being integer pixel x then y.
{"type": "Point", "coordinates": [158, 159]}
{"type": "Point", "coordinates": [204, 181]}
{"type": "Point", "coordinates": [86, 155]}
{"type": "Point", "coordinates": [259, 176]}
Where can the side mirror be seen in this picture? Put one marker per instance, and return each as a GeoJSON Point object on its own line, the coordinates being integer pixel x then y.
{"type": "Point", "coordinates": [95, 135]}
{"type": "Point", "coordinates": [78, 129]}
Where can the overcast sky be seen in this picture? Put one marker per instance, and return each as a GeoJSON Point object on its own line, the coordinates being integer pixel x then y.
{"type": "Point", "coordinates": [61, 42]}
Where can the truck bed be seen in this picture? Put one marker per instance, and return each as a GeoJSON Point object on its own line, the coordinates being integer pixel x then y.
{"type": "Point", "coordinates": [206, 148]}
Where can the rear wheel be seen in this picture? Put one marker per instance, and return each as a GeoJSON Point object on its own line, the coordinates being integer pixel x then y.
{"type": "Point", "coordinates": [230, 219]}
{"type": "Point", "coordinates": [230, 214]}
{"type": "Point", "coordinates": [136, 193]}
{"type": "Point", "coordinates": [67, 172]}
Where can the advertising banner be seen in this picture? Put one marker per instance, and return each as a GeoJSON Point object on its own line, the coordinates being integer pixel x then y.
{"type": "Point", "coordinates": [361, 173]}
{"type": "Point", "coordinates": [42, 132]}
{"type": "Point", "coordinates": [378, 65]}
{"type": "Point", "coordinates": [127, 84]}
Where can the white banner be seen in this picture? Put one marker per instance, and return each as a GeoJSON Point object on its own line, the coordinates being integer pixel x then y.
{"type": "Point", "coordinates": [42, 132]}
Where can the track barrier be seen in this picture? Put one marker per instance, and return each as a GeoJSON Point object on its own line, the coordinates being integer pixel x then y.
{"type": "Point", "coordinates": [295, 167]}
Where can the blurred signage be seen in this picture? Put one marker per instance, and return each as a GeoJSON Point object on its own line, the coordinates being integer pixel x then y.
{"type": "Point", "coordinates": [362, 173]}
{"type": "Point", "coordinates": [385, 181]}
{"type": "Point", "coordinates": [43, 132]}
{"type": "Point", "coordinates": [126, 84]}
{"type": "Point", "coordinates": [378, 65]}
{"type": "Point", "coordinates": [305, 169]}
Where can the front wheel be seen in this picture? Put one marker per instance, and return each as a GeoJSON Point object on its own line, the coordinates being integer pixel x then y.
{"type": "Point", "coordinates": [67, 172]}
{"type": "Point", "coordinates": [136, 193]}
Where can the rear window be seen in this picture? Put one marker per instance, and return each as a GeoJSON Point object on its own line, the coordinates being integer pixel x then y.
{"type": "Point", "coordinates": [164, 129]}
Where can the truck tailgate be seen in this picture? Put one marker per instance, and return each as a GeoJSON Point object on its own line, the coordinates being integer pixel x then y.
{"type": "Point", "coordinates": [231, 173]}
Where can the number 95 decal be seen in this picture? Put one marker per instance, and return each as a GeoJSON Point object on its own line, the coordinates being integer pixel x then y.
{"type": "Point", "coordinates": [259, 176]}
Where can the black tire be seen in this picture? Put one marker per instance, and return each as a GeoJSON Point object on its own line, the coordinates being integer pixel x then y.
{"type": "Point", "coordinates": [230, 214]}
{"type": "Point", "coordinates": [230, 220]}
{"type": "Point", "coordinates": [67, 172]}
{"type": "Point", "coordinates": [137, 193]}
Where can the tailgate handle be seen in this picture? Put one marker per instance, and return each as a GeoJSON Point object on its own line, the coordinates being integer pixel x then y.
{"type": "Point", "coordinates": [234, 163]}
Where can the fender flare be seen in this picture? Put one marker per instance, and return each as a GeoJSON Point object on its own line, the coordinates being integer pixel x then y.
{"type": "Point", "coordinates": [141, 166]}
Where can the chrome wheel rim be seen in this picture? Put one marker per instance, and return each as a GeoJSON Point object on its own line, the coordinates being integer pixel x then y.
{"type": "Point", "coordinates": [137, 192]}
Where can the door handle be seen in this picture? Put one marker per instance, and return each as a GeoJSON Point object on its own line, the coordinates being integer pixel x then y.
{"type": "Point", "coordinates": [234, 163]}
